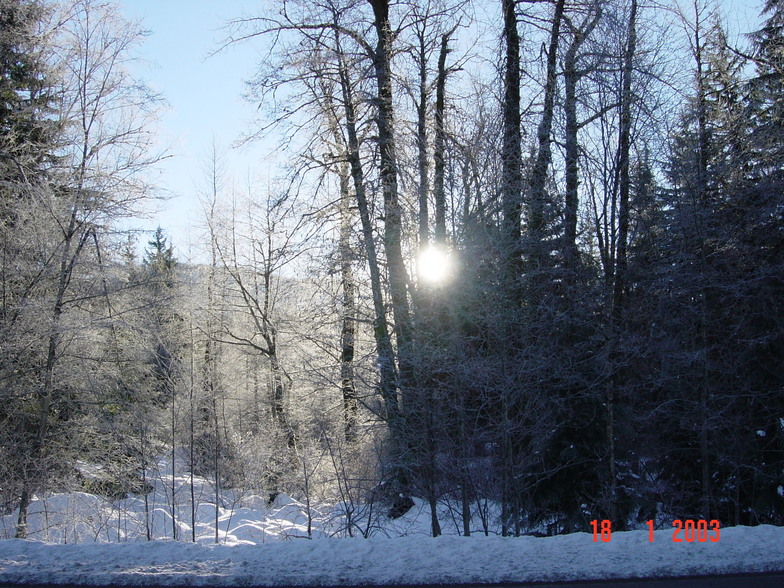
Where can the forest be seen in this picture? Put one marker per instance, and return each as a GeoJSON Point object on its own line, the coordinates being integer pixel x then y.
{"type": "Point", "coordinates": [524, 260]}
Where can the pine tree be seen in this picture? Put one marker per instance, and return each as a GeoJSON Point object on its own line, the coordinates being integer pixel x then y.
{"type": "Point", "coordinates": [160, 262]}
{"type": "Point", "coordinates": [721, 305]}
{"type": "Point", "coordinates": [26, 132]}
{"type": "Point", "coordinates": [165, 321]}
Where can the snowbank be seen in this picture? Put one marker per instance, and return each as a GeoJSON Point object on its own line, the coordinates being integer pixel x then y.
{"type": "Point", "coordinates": [80, 538]}
{"type": "Point", "coordinates": [402, 560]}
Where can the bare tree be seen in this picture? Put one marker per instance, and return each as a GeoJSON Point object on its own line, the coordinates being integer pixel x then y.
{"type": "Point", "coordinates": [574, 70]}
{"type": "Point", "coordinates": [106, 117]}
{"type": "Point", "coordinates": [254, 244]}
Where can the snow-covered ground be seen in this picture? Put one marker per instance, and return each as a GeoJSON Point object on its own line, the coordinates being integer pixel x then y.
{"type": "Point", "coordinates": [83, 539]}
{"type": "Point", "coordinates": [406, 560]}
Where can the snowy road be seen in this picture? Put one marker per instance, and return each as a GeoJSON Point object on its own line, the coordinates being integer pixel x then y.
{"type": "Point", "coordinates": [773, 580]}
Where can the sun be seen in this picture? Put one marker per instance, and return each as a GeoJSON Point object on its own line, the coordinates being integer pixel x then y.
{"type": "Point", "coordinates": [433, 265]}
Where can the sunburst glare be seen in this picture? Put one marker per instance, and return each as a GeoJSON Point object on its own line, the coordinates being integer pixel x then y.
{"type": "Point", "coordinates": [434, 265]}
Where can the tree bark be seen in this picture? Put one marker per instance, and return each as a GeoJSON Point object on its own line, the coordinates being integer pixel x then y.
{"type": "Point", "coordinates": [398, 278]}
{"type": "Point", "coordinates": [384, 350]}
{"type": "Point", "coordinates": [350, 406]}
{"type": "Point", "coordinates": [421, 107]}
{"type": "Point", "coordinates": [703, 147]}
{"type": "Point", "coordinates": [624, 147]}
{"type": "Point", "coordinates": [572, 152]}
{"type": "Point", "coordinates": [440, 142]}
{"type": "Point", "coordinates": [572, 76]}
{"type": "Point", "coordinates": [537, 254]}
{"type": "Point", "coordinates": [396, 267]}
{"type": "Point", "coordinates": [511, 155]}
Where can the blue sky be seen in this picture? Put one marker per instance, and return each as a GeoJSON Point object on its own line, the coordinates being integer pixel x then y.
{"type": "Point", "coordinates": [205, 97]}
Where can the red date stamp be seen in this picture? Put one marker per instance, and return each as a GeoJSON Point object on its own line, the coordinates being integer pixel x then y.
{"type": "Point", "coordinates": [685, 531]}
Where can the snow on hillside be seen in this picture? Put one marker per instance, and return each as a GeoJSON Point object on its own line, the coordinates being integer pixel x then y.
{"type": "Point", "coordinates": [80, 538]}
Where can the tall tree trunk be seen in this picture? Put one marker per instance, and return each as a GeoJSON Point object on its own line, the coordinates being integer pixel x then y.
{"type": "Point", "coordinates": [397, 273]}
{"type": "Point", "coordinates": [421, 107]}
{"type": "Point", "coordinates": [703, 146]}
{"type": "Point", "coordinates": [511, 200]}
{"type": "Point", "coordinates": [350, 406]}
{"type": "Point", "coordinates": [347, 281]}
{"type": "Point", "coordinates": [572, 152]}
{"type": "Point", "coordinates": [216, 464]}
{"type": "Point", "coordinates": [511, 155]}
{"type": "Point", "coordinates": [210, 373]}
{"type": "Point", "coordinates": [572, 76]}
{"type": "Point", "coordinates": [440, 142]}
{"type": "Point", "coordinates": [192, 431]}
{"type": "Point", "coordinates": [398, 278]}
{"type": "Point", "coordinates": [624, 149]}
{"type": "Point", "coordinates": [384, 350]}
{"type": "Point", "coordinates": [173, 472]}
{"type": "Point", "coordinates": [537, 254]}
{"type": "Point", "coordinates": [623, 182]}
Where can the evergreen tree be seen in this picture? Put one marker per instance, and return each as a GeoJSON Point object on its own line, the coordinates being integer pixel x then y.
{"type": "Point", "coordinates": [164, 320]}
{"type": "Point", "coordinates": [721, 307]}
{"type": "Point", "coordinates": [160, 262]}
{"type": "Point", "coordinates": [26, 131]}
